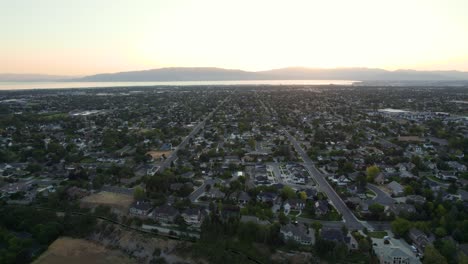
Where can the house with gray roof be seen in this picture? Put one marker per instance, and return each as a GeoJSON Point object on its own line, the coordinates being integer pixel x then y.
{"type": "Point", "coordinates": [390, 251]}
{"type": "Point", "coordinates": [396, 188]}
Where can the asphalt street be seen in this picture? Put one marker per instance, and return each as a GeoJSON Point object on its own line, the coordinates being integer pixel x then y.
{"type": "Point", "coordinates": [173, 156]}
{"type": "Point", "coordinates": [350, 220]}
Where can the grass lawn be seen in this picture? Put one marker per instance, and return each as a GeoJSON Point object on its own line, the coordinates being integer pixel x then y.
{"type": "Point", "coordinates": [333, 216]}
{"type": "Point", "coordinates": [293, 212]}
{"type": "Point", "coordinates": [370, 193]}
{"type": "Point", "coordinates": [306, 214]}
{"type": "Point", "coordinates": [377, 234]}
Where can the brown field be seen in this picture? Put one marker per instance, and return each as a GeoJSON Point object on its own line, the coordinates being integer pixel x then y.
{"type": "Point", "coordinates": [115, 200]}
{"type": "Point", "coordinates": [156, 154]}
{"type": "Point", "coordinates": [76, 251]}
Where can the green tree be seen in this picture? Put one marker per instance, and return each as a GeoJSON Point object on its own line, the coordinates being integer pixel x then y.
{"type": "Point", "coordinates": [364, 245]}
{"type": "Point", "coordinates": [408, 190]}
{"type": "Point", "coordinates": [139, 193]}
{"type": "Point", "coordinates": [316, 226]}
{"type": "Point", "coordinates": [371, 172]}
{"type": "Point", "coordinates": [448, 249]}
{"type": "Point", "coordinates": [252, 143]}
{"type": "Point", "coordinates": [288, 193]}
{"type": "Point", "coordinates": [376, 209]}
{"type": "Point", "coordinates": [462, 258]}
{"type": "Point", "coordinates": [282, 218]}
{"type": "Point", "coordinates": [432, 256]}
{"type": "Point", "coordinates": [303, 195]}
{"type": "Point", "coordinates": [400, 226]}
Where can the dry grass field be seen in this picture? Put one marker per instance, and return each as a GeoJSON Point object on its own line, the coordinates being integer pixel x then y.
{"type": "Point", "coordinates": [76, 251]}
{"type": "Point", "coordinates": [117, 201]}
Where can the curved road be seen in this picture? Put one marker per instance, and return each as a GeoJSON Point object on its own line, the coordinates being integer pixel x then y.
{"type": "Point", "coordinates": [382, 197]}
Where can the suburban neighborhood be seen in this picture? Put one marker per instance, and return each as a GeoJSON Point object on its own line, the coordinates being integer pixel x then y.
{"type": "Point", "coordinates": [355, 174]}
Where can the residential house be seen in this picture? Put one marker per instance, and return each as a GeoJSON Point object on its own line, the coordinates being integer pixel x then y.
{"type": "Point", "coordinates": [243, 198]}
{"type": "Point", "coordinates": [416, 199]}
{"type": "Point", "coordinates": [332, 167]}
{"type": "Point", "coordinates": [298, 233]}
{"type": "Point", "coordinates": [294, 204]}
{"type": "Point", "coordinates": [457, 166]}
{"type": "Point", "coordinates": [193, 216]}
{"type": "Point", "coordinates": [165, 213]}
{"type": "Point", "coordinates": [311, 193]}
{"type": "Point", "coordinates": [407, 174]}
{"type": "Point", "coordinates": [230, 211]}
{"type": "Point", "coordinates": [267, 197]}
{"type": "Point", "coordinates": [447, 175]}
{"type": "Point", "coordinates": [380, 178]}
{"type": "Point", "coordinates": [332, 234]}
{"type": "Point", "coordinates": [321, 207]}
{"type": "Point", "coordinates": [435, 187]}
{"type": "Point", "coordinates": [398, 209]}
{"type": "Point", "coordinates": [141, 208]}
{"type": "Point", "coordinates": [420, 240]}
{"type": "Point", "coordinates": [215, 193]}
{"type": "Point", "coordinates": [396, 188]}
{"type": "Point", "coordinates": [393, 251]}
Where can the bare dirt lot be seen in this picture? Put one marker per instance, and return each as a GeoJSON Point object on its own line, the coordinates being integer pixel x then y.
{"type": "Point", "coordinates": [77, 251]}
{"type": "Point", "coordinates": [117, 201]}
{"type": "Point", "coordinates": [157, 154]}
{"type": "Point", "coordinates": [142, 247]}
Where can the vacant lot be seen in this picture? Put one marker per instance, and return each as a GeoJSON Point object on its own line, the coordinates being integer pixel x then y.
{"type": "Point", "coordinates": [76, 251]}
{"type": "Point", "coordinates": [118, 201]}
{"type": "Point", "coordinates": [157, 154]}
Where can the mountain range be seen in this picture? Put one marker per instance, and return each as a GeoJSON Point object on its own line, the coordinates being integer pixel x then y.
{"type": "Point", "coordinates": [219, 74]}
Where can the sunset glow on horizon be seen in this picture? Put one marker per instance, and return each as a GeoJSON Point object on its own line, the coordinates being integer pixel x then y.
{"type": "Point", "coordinates": [88, 37]}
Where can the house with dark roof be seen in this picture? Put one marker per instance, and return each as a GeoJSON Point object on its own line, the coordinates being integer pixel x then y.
{"type": "Point", "coordinates": [311, 193]}
{"type": "Point", "coordinates": [141, 208]}
{"type": "Point", "coordinates": [332, 234]}
{"type": "Point", "coordinates": [165, 213]}
{"type": "Point", "coordinates": [230, 211]}
{"type": "Point", "coordinates": [298, 233]}
{"type": "Point", "coordinates": [243, 198]}
{"type": "Point", "coordinates": [321, 207]}
{"type": "Point", "coordinates": [193, 216]}
{"type": "Point", "coordinates": [419, 239]}
{"type": "Point", "coordinates": [267, 197]}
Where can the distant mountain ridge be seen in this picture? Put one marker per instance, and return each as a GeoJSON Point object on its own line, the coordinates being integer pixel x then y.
{"type": "Point", "coordinates": [220, 74]}
{"type": "Point", "coordinates": [292, 73]}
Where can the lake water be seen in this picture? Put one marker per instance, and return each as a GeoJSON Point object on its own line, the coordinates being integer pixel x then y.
{"type": "Point", "coordinates": [58, 85]}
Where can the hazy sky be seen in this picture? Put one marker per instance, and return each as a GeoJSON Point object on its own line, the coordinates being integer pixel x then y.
{"type": "Point", "coordinates": [77, 37]}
